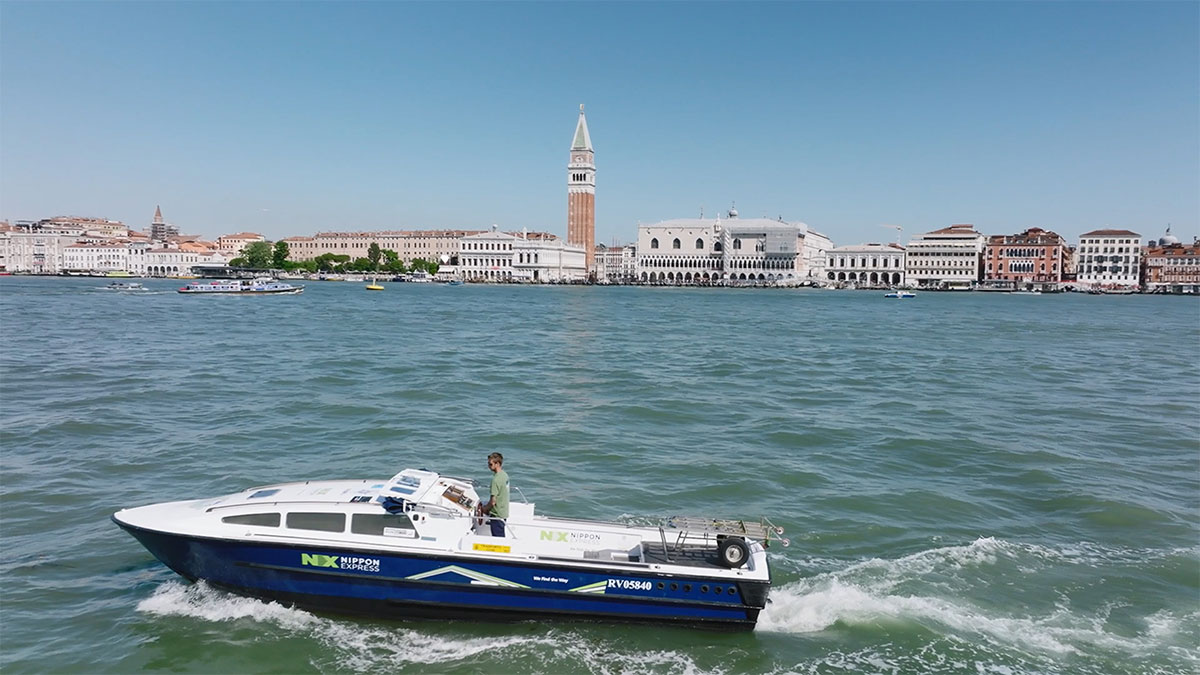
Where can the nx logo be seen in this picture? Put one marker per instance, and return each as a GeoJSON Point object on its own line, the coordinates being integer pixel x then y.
{"type": "Point", "coordinates": [318, 560]}
{"type": "Point", "coordinates": [549, 535]}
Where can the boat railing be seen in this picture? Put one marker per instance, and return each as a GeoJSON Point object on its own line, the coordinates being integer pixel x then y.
{"type": "Point", "coordinates": [692, 528]}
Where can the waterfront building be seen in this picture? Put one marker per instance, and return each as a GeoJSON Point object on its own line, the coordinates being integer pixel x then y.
{"type": "Point", "coordinates": [232, 245]}
{"type": "Point", "coordinates": [1109, 258]}
{"type": "Point", "coordinates": [544, 258]}
{"type": "Point", "coordinates": [1171, 266]}
{"type": "Point", "coordinates": [487, 256]}
{"type": "Point", "coordinates": [815, 257]}
{"type": "Point", "coordinates": [1033, 257]}
{"type": "Point", "coordinates": [616, 264]}
{"type": "Point", "coordinates": [705, 251]}
{"type": "Point", "coordinates": [96, 256]}
{"type": "Point", "coordinates": [866, 265]}
{"type": "Point", "coordinates": [948, 258]}
{"type": "Point", "coordinates": [581, 192]}
{"type": "Point", "coordinates": [409, 245]}
{"type": "Point", "coordinates": [33, 251]}
{"type": "Point", "coordinates": [160, 229]}
{"type": "Point", "coordinates": [177, 260]}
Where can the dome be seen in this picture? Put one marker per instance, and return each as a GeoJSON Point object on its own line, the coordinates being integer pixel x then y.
{"type": "Point", "coordinates": [733, 211]}
{"type": "Point", "coordinates": [1168, 239]}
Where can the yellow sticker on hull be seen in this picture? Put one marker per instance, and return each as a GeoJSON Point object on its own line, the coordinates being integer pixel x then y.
{"type": "Point", "coordinates": [492, 548]}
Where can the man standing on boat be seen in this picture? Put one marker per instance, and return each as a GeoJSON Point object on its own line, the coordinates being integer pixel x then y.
{"type": "Point", "coordinates": [496, 507]}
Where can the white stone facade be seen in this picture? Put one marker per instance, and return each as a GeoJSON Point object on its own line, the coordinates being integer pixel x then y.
{"type": "Point", "coordinates": [701, 251]}
{"type": "Point", "coordinates": [866, 264]}
{"type": "Point", "coordinates": [548, 261]}
{"type": "Point", "coordinates": [816, 250]}
{"type": "Point", "coordinates": [616, 264]}
{"type": "Point", "coordinates": [487, 256]}
{"type": "Point", "coordinates": [233, 245]}
{"type": "Point", "coordinates": [1109, 259]}
{"type": "Point", "coordinates": [33, 252]}
{"type": "Point", "coordinates": [96, 257]}
{"type": "Point", "coordinates": [948, 258]}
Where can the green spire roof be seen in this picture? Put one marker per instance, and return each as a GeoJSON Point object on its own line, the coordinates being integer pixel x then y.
{"type": "Point", "coordinates": [582, 140]}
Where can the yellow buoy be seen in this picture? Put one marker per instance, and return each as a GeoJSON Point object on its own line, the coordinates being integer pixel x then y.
{"type": "Point", "coordinates": [374, 287]}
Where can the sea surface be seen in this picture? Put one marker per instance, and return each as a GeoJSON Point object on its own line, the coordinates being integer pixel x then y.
{"type": "Point", "coordinates": [972, 483]}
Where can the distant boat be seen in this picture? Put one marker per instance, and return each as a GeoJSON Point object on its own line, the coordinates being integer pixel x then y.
{"type": "Point", "coordinates": [119, 274]}
{"type": "Point", "coordinates": [125, 286]}
{"type": "Point", "coordinates": [419, 277]}
{"type": "Point", "coordinates": [1034, 292]}
{"type": "Point", "coordinates": [258, 286]}
{"type": "Point", "coordinates": [900, 294]}
{"type": "Point", "coordinates": [454, 282]}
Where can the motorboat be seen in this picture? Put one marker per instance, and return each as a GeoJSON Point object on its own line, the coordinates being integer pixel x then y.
{"type": "Point", "coordinates": [413, 546]}
{"type": "Point", "coordinates": [899, 294]}
{"type": "Point", "coordinates": [257, 286]}
{"type": "Point", "coordinates": [125, 286]}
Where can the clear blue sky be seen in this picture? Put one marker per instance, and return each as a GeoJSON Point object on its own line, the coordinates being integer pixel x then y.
{"type": "Point", "coordinates": [290, 118]}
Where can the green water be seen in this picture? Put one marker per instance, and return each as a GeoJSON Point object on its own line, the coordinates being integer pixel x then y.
{"type": "Point", "coordinates": [971, 482]}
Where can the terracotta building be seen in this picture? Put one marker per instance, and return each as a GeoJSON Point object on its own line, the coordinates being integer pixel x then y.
{"type": "Point", "coordinates": [1172, 267]}
{"type": "Point", "coordinates": [1035, 256]}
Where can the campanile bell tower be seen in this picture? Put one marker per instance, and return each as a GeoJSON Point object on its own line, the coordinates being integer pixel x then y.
{"type": "Point", "coordinates": [581, 192]}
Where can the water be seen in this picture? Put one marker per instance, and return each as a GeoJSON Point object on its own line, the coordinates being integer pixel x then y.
{"type": "Point", "coordinates": [972, 482]}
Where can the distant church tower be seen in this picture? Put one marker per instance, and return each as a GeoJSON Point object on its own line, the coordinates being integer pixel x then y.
{"type": "Point", "coordinates": [581, 192]}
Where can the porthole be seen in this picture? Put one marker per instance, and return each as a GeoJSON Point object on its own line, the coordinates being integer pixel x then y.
{"type": "Point", "coordinates": [717, 590]}
{"type": "Point", "coordinates": [661, 585]}
{"type": "Point", "coordinates": [687, 588]}
{"type": "Point", "coordinates": [674, 586]}
{"type": "Point", "coordinates": [704, 588]}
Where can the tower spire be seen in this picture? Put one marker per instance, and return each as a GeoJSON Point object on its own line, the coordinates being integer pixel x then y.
{"type": "Point", "coordinates": [583, 141]}
{"type": "Point", "coordinates": [157, 214]}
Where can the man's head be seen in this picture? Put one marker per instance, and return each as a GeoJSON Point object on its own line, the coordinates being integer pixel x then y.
{"type": "Point", "coordinates": [495, 461]}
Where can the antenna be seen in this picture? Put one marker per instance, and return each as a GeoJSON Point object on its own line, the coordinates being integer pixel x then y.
{"type": "Point", "coordinates": [898, 229]}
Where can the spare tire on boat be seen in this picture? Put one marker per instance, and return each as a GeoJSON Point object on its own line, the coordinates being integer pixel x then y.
{"type": "Point", "coordinates": [733, 552]}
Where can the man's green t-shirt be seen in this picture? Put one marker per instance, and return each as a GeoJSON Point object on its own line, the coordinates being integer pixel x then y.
{"type": "Point", "coordinates": [500, 494]}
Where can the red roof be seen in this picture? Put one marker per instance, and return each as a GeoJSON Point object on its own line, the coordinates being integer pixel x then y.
{"type": "Point", "coordinates": [1110, 233]}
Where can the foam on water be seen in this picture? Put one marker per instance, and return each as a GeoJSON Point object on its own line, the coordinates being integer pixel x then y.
{"type": "Point", "coordinates": [363, 647]}
{"type": "Point", "coordinates": [863, 593]}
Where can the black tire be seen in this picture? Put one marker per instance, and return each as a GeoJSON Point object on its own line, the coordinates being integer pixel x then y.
{"type": "Point", "coordinates": [733, 552]}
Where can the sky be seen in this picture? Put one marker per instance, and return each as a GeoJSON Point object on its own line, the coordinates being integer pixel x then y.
{"type": "Point", "coordinates": [292, 118]}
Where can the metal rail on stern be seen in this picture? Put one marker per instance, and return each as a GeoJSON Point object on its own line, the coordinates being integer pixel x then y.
{"type": "Point", "coordinates": [692, 528]}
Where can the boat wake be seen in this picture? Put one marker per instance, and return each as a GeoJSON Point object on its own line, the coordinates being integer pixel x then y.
{"type": "Point", "coordinates": [957, 594]}
{"type": "Point", "coordinates": [362, 646]}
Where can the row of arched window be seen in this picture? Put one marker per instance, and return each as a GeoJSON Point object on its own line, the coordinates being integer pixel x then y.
{"type": "Point", "coordinates": [676, 244]}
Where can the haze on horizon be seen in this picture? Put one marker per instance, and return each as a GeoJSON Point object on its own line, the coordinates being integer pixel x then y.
{"type": "Point", "coordinates": [291, 118]}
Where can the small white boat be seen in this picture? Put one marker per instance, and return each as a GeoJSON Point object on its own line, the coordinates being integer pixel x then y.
{"type": "Point", "coordinates": [125, 286]}
{"type": "Point", "coordinates": [900, 294]}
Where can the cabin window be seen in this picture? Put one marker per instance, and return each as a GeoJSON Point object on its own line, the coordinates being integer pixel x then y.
{"type": "Point", "coordinates": [259, 519]}
{"type": "Point", "coordinates": [323, 522]}
{"type": "Point", "coordinates": [383, 525]}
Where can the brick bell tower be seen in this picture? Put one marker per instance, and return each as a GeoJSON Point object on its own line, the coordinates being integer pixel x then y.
{"type": "Point", "coordinates": [581, 192]}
